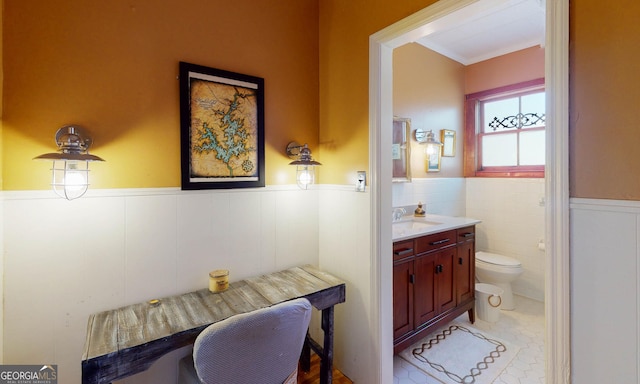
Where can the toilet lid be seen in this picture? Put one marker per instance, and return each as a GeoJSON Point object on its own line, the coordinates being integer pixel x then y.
{"type": "Point", "coordinates": [494, 258]}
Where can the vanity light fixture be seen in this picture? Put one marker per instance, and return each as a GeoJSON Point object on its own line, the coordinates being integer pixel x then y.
{"type": "Point", "coordinates": [305, 165]}
{"type": "Point", "coordinates": [70, 170]}
{"type": "Point", "coordinates": [429, 139]}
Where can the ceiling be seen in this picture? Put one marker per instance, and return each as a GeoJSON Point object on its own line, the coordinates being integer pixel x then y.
{"type": "Point", "coordinates": [486, 29]}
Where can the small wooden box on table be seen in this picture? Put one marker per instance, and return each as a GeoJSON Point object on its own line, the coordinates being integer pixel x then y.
{"type": "Point", "coordinates": [128, 340]}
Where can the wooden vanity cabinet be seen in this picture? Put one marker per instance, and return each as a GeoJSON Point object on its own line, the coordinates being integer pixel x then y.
{"type": "Point", "coordinates": [466, 265]}
{"type": "Point", "coordinates": [433, 283]}
{"type": "Point", "coordinates": [403, 272]}
{"type": "Point", "coordinates": [434, 289]}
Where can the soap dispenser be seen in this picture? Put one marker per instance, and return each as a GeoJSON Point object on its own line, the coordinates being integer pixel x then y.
{"type": "Point", "coordinates": [419, 212]}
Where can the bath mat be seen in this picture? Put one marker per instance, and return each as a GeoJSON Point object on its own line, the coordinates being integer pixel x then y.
{"type": "Point", "coordinates": [459, 353]}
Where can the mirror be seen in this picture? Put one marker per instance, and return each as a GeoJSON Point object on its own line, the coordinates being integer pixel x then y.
{"type": "Point", "coordinates": [401, 150]}
{"type": "Point", "coordinates": [448, 140]}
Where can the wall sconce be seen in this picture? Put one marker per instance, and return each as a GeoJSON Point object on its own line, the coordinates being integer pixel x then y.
{"type": "Point", "coordinates": [429, 139]}
{"type": "Point", "coordinates": [305, 165]}
{"type": "Point", "coordinates": [70, 171]}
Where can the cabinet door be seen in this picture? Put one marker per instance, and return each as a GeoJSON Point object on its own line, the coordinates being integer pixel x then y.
{"type": "Point", "coordinates": [465, 266]}
{"type": "Point", "coordinates": [445, 279]}
{"type": "Point", "coordinates": [425, 300]}
{"type": "Point", "coordinates": [402, 298]}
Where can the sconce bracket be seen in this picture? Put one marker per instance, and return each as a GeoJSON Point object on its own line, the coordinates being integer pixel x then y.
{"type": "Point", "coordinates": [421, 135]}
{"type": "Point", "coordinates": [293, 149]}
{"type": "Point", "coordinates": [426, 137]}
{"type": "Point", "coordinates": [73, 139]}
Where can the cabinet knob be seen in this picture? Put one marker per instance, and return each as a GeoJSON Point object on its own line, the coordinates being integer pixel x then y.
{"type": "Point", "coordinates": [460, 260]}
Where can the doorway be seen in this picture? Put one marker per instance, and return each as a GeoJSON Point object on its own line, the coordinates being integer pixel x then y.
{"type": "Point", "coordinates": [556, 182]}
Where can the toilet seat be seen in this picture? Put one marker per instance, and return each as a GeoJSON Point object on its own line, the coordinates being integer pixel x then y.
{"type": "Point", "coordinates": [497, 260]}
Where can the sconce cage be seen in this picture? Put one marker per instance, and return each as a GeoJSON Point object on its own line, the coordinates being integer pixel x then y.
{"type": "Point", "coordinates": [70, 178]}
{"type": "Point", "coordinates": [70, 169]}
{"type": "Point", "coordinates": [305, 165]}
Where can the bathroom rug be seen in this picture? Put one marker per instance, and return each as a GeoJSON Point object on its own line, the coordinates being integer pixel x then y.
{"type": "Point", "coordinates": [460, 353]}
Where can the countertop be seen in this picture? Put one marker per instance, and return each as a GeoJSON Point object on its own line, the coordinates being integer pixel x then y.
{"type": "Point", "coordinates": [427, 225]}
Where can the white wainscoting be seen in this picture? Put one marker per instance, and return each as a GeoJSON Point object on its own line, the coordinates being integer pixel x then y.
{"type": "Point", "coordinates": [605, 287]}
{"type": "Point", "coordinates": [345, 251]}
{"type": "Point", "coordinates": [1, 280]}
{"type": "Point", "coordinates": [64, 260]}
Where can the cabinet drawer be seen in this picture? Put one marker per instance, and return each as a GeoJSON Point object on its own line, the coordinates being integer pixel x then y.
{"type": "Point", "coordinates": [466, 233]}
{"type": "Point", "coordinates": [403, 249]}
{"type": "Point", "coordinates": [435, 241]}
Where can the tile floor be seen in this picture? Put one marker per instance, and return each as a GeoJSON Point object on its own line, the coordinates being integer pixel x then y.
{"type": "Point", "coordinates": [523, 326]}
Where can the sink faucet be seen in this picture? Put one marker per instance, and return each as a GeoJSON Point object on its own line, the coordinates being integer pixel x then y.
{"type": "Point", "coordinates": [398, 213]}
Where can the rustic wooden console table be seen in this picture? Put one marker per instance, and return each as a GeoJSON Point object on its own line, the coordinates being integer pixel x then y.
{"type": "Point", "coordinates": [127, 340]}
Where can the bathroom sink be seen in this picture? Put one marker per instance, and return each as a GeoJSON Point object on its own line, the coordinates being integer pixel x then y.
{"type": "Point", "coordinates": [413, 225]}
{"type": "Point", "coordinates": [409, 227]}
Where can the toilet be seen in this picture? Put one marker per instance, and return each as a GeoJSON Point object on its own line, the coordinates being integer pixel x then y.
{"type": "Point", "coordinates": [499, 270]}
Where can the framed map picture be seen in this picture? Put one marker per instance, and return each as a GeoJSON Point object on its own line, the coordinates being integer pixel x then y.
{"type": "Point", "coordinates": [221, 128]}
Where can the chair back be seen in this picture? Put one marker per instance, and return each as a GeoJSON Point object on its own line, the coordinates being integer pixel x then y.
{"type": "Point", "coordinates": [262, 346]}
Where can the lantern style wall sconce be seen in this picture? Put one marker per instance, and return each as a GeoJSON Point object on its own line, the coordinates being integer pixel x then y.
{"type": "Point", "coordinates": [429, 139]}
{"type": "Point", "coordinates": [305, 165]}
{"type": "Point", "coordinates": [70, 171]}
{"type": "Point", "coordinates": [432, 149]}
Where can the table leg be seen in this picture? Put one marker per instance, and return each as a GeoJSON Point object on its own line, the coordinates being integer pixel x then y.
{"type": "Point", "coordinates": [305, 356]}
{"type": "Point", "coordinates": [326, 360]}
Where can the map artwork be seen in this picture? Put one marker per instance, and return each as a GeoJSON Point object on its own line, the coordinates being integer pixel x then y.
{"type": "Point", "coordinates": [224, 130]}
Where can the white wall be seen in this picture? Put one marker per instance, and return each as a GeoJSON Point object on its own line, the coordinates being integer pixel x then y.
{"type": "Point", "coordinates": [513, 223]}
{"type": "Point", "coordinates": [605, 287]}
{"type": "Point", "coordinates": [64, 260]}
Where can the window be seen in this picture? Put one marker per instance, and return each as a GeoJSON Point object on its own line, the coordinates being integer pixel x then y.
{"type": "Point", "coordinates": [505, 131]}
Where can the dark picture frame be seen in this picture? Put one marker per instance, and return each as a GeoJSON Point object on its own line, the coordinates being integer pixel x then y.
{"type": "Point", "coordinates": [221, 128]}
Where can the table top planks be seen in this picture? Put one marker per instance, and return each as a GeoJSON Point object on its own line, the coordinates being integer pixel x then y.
{"type": "Point", "coordinates": [112, 332]}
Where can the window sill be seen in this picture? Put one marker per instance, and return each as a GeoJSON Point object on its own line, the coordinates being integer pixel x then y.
{"type": "Point", "coordinates": [513, 174]}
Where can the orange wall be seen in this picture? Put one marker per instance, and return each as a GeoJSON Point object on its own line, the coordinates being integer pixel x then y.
{"type": "Point", "coordinates": [112, 66]}
{"type": "Point", "coordinates": [429, 89]}
{"type": "Point", "coordinates": [345, 27]}
{"type": "Point", "coordinates": [516, 67]}
{"type": "Point", "coordinates": [604, 95]}
{"type": "Point", "coordinates": [1, 104]}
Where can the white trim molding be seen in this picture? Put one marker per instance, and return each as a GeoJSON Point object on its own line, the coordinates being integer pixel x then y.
{"type": "Point", "coordinates": [129, 192]}
{"type": "Point", "coordinates": [381, 45]}
{"type": "Point", "coordinates": [627, 206]}
{"type": "Point", "coordinates": [558, 274]}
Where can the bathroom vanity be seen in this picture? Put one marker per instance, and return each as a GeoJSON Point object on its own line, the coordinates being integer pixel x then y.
{"type": "Point", "coordinates": [433, 275]}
